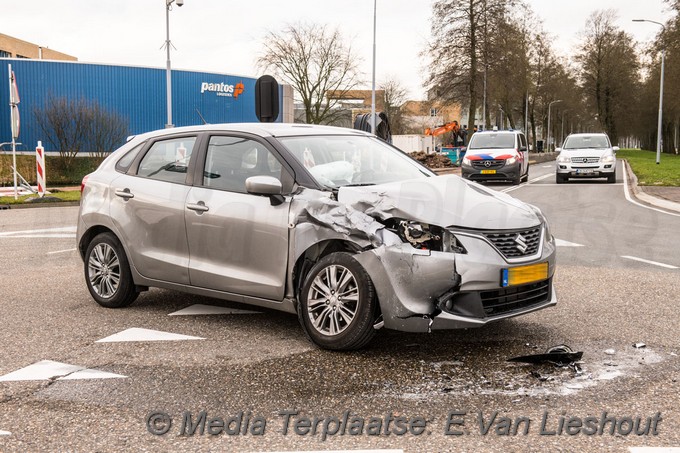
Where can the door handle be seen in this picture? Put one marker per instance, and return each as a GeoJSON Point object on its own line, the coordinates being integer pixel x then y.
{"type": "Point", "coordinates": [198, 207]}
{"type": "Point", "coordinates": [125, 194]}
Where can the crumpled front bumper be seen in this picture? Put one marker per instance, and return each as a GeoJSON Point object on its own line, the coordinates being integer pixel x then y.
{"type": "Point", "coordinates": [413, 286]}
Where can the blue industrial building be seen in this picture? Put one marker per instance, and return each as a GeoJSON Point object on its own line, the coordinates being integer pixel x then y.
{"type": "Point", "coordinates": [135, 93]}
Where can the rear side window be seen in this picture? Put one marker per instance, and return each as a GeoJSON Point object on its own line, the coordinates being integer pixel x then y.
{"type": "Point", "coordinates": [232, 160]}
{"type": "Point", "coordinates": [124, 163]}
{"type": "Point", "coordinates": [167, 160]}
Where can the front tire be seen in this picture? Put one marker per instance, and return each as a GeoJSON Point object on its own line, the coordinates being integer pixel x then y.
{"type": "Point", "coordinates": [560, 179]}
{"type": "Point", "coordinates": [337, 303]}
{"type": "Point", "coordinates": [611, 179]}
{"type": "Point", "coordinates": [107, 272]}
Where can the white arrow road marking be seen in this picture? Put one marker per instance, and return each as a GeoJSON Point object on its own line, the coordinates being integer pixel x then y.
{"type": "Point", "coordinates": [138, 334]}
{"type": "Point", "coordinates": [48, 369]}
{"type": "Point", "coordinates": [200, 309]}
{"type": "Point", "coordinates": [563, 243]}
{"type": "Point", "coordinates": [539, 178]}
{"type": "Point", "coordinates": [655, 263]}
{"type": "Point", "coordinates": [60, 232]}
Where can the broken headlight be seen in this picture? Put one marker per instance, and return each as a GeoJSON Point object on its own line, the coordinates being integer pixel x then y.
{"type": "Point", "coordinates": [426, 237]}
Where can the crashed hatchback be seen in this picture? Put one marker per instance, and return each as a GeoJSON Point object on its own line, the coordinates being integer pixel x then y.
{"type": "Point", "coordinates": [332, 224]}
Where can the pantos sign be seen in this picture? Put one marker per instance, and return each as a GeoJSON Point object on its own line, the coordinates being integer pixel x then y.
{"type": "Point", "coordinates": [223, 89]}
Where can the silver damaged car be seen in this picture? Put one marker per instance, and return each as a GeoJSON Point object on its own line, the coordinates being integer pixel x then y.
{"type": "Point", "coordinates": [331, 224]}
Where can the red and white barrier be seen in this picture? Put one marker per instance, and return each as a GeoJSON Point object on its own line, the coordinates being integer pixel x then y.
{"type": "Point", "coordinates": [40, 167]}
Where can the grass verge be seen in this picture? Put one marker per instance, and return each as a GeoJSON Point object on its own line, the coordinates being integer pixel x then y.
{"type": "Point", "coordinates": [69, 195]}
{"type": "Point", "coordinates": [643, 163]}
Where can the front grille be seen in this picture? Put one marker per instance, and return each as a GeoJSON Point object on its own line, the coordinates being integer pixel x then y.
{"type": "Point", "coordinates": [509, 242]}
{"type": "Point", "coordinates": [493, 163]}
{"type": "Point", "coordinates": [508, 300]}
{"type": "Point", "coordinates": [585, 160]}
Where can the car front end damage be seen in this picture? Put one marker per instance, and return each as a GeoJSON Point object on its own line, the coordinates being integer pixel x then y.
{"type": "Point", "coordinates": [495, 259]}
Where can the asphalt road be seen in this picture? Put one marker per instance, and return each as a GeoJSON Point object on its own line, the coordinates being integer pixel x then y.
{"type": "Point", "coordinates": [262, 364]}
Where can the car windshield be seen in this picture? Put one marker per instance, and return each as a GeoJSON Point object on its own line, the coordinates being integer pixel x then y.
{"type": "Point", "coordinates": [491, 141]}
{"type": "Point", "coordinates": [586, 141]}
{"type": "Point", "coordinates": [341, 160]}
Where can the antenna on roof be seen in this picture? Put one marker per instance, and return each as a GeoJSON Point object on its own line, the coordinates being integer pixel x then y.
{"type": "Point", "coordinates": [199, 114]}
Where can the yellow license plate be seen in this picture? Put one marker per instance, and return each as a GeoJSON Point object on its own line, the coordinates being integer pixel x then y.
{"type": "Point", "coordinates": [488, 172]}
{"type": "Point", "coordinates": [524, 274]}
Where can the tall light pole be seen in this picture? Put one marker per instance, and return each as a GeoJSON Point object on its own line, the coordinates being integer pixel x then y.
{"type": "Point", "coordinates": [168, 72]}
{"type": "Point", "coordinates": [663, 59]}
{"type": "Point", "coordinates": [375, 8]}
{"type": "Point", "coordinates": [550, 105]}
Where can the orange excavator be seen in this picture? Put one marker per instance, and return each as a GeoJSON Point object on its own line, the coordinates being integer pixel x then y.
{"type": "Point", "coordinates": [453, 126]}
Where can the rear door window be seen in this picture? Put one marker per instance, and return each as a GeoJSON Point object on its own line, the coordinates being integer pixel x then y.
{"type": "Point", "coordinates": [168, 160]}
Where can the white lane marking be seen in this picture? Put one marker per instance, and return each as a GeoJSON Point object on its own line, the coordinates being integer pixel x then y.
{"type": "Point", "coordinates": [62, 251]}
{"type": "Point", "coordinates": [629, 198]}
{"type": "Point", "coordinates": [338, 451]}
{"type": "Point", "coordinates": [4, 433]}
{"type": "Point", "coordinates": [48, 369]}
{"type": "Point", "coordinates": [200, 309]}
{"type": "Point", "coordinates": [539, 178]}
{"type": "Point", "coordinates": [656, 263]}
{"type": "Point", "coordinates": [60, 232]}
{"type": "Point", "coordinates": [137, 334]}
{"type": "Point", "coordinates": [546, 166]}
{"type": "Point", "coordinates": [67, 229]}
{"type": "Point", "coordinates": [654, 449]}
{"type": "Point", "coordinates": [563, 243]}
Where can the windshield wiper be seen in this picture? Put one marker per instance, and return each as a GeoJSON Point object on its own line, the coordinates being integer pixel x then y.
{"type": "Point", "coordinates": [359, 184]}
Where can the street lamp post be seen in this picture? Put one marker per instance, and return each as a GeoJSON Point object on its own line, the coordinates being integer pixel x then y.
{"type": "Point", "coordinates": [168, 72]}
{"type": "Point", "coordinates": [663, 58]}
{"type": "Point", "coordinates": [550, 105]}
{"type": "Point", "coordinates": [375, 8]}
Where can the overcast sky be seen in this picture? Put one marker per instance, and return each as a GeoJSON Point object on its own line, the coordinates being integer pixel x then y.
{"type": "Point", "coordinates": [224, 36]}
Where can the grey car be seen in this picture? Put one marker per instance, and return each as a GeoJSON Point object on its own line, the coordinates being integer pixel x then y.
{"type": "Point", "coordinates": [586, 156]}
{"type": "Point", "coordinates": [331, 224]}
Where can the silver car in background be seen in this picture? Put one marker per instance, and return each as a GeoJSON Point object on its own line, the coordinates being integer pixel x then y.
{"type": "Point", "coordinates": [586, 156]}
{"type": "Point", "coordinates": [332, 224]}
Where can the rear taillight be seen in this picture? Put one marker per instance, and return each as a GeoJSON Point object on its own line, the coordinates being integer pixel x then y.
{"type": "Point", "coordinates": [82, 183]}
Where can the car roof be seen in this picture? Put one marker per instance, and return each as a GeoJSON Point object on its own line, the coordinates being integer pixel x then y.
{"type": "Point", "coordinates": [504, 131]}
{"type": "Point", "coordinates": [581, 134]}
{"type": "Point", "coordinates": [261, 129]}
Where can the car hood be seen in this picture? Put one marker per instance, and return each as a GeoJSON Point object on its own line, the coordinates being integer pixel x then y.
{"type": "Point", "coordinates": [481, 154]}
{"type": "Point", "coordinates": [443, 201]}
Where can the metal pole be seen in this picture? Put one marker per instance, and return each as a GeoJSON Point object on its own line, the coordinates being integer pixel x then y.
{"type": "Point", "coordinates": [14, 145]}
{"type": "Point", "coordinates": [547, 145]}
{"type": "Point", "coordinates": [168, 77]}
{"type": "Point", "coordinates": [658, 129]}
{"type": "Point", "coordinates": [375, 7]}
{"type": "Point", "coordinates": [484, 104]}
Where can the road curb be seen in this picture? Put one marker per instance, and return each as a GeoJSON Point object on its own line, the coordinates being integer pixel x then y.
{"type": "Point", "coordinates": [643, 197]}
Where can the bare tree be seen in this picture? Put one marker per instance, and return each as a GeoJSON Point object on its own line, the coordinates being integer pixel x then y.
{"type": "Point", "coordinates": [460, 30]}
{"type": "Point", "coordinates": [395, 95]}
{"type": "Point", "coordinates": [74, 126]}
{"type": "Point", "coordinates": [316, 62]}
{"type": "Point", "coordinates": [609, 71]}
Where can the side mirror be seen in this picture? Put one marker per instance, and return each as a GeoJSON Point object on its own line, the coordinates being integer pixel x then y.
{"type": "Point", "coordinates": [267, 186]}
{"type": "Point", "coordinates": [523, 148]}
{"type": "Point", "coordinates": [558, 150]}
{"type": "Point", "coordinates": [615, 149]}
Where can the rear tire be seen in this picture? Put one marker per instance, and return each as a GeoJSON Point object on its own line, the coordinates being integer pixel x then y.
{"type": "Point", "coordinates": [337, 303]}
{"type": "Point", "coordinates": [107, 272]}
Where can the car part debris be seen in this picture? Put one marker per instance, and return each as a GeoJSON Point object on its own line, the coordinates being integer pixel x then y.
{"type": "Point", "coordinates": [639, 345]}
{"type": "Point", "coordinates": [561, 355]}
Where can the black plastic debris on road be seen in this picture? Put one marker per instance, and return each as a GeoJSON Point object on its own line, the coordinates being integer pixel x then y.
{"type": "Point", "coordinates": [561, 355]}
